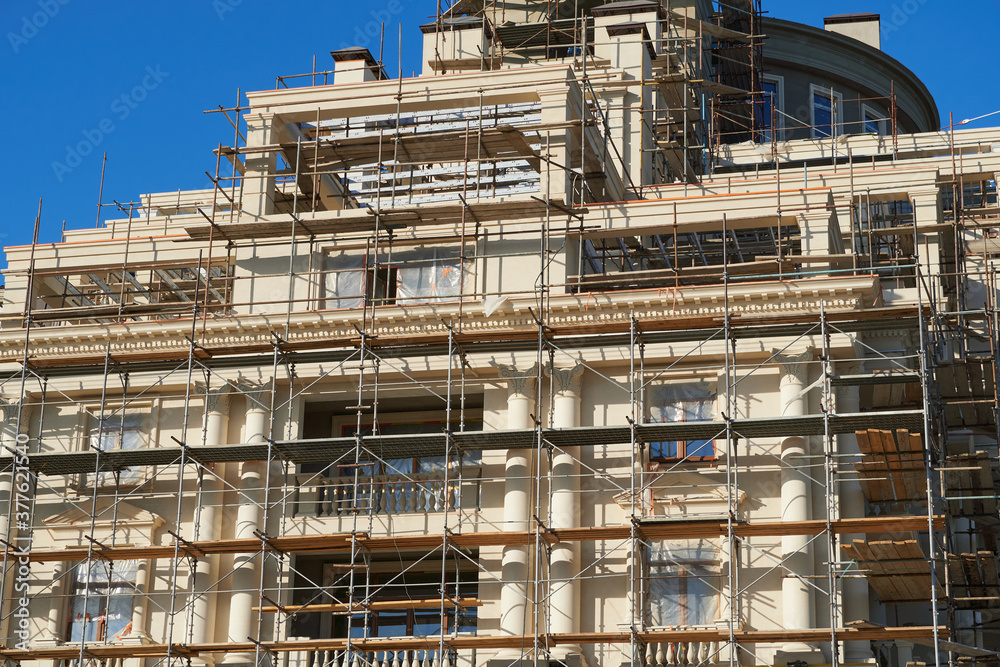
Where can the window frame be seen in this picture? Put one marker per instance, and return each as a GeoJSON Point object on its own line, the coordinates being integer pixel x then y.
{"type": "Point", "coordinates": [394, 268]}
{"type": "Point", "coordinates": [380, 578]}
{"type": "Point", "coordinates": [103, 592]}
{"type": "Point", "coordinates": [881, 119]}
{"type": "Point", "coordinates": [91, 418]}
{"type": "Point", "coordinates": [682, 570]}
{"type": "Point", "coordinates": [836, 111]}
{"type": "Point", "coordinates": [681, 403]}
{"type": "Point", "coordinates": [778, 131]}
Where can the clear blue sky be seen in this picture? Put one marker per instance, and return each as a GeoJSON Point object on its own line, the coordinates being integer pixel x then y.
{"type": "Point", "coordinates": [133, 79]}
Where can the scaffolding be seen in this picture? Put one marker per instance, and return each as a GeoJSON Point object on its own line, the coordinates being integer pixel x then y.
{"type": "Point", "coordinates": [365, 359]}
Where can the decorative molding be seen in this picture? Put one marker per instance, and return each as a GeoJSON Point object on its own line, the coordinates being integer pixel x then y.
{"type": "Point", "coordinates": [253, 332]}
{"type": "Point", "coordinates": [256, 392]}
{"type": "Point", "coordinates": [794, 366]}
{"type": "Point", "coordinates": [519, 383]}
{"type": "Point", "coordinates": [567, 380]}
{"type": "Point", "coordinates": [9, 411]}
{"type": "Point", "coordinates": [217, 399]}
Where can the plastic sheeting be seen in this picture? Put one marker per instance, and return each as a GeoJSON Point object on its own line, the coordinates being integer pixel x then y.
{"type": "Point", "coordinates": [423, 275]}
{"type": "Point", "coordinates": [102, 600]}
{"type": "Point", "coordinates": [119, 432]}
{"type": "Point", "coordinates": [684, 581]}
{"type": "Point", "coordinates": [682, 402]}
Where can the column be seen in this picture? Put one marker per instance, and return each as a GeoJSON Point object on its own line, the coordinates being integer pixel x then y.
{"type": "Point", "coordinates": [817, 229]}
{"type": "Point", "coordinates": [927, 210]}
{"type": "Point", "coordinates": [796, 595]}
{"type": "Point", "coordinates": [55, 626]}
{"type": "Point", "coordinates": [564, 559]}
{"type": "Point", "coordinates": [556, 181]}
{"type": "Point", "coordinates": [209, 520]}
{"type": "Point", "coordinates": [517, 490]}
{"type": "Point", "coordinates": [140, 607]}
{"type": "Point", "coordinates": [248, 519]}
{"type": "Point", "coordinates": [258, 183]}
{"type": "Point", "coordinates": [854, 592]}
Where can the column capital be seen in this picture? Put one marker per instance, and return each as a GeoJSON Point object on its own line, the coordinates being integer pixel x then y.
{"type": "Point", "coordinates": [216, 398]}
{"type": "Point", "coordinates": [255, 392]}
{"type": "Point", "coordinates": [567, 380]}
{"type": "Point", "coordinates": [9, 409]}
{"type": "Point", "coordinates": [519, 383]}
{"type": "Point", "coordinates": [794, 366]}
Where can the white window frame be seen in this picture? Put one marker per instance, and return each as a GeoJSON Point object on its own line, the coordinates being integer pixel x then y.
{"type": "Point", "coordinates": [779, 104]}
{"type": "Point", "coordinates": [837, 122]}
{"type": "Point", "coordinates": [703, 388]}
{"type": "Point", "coordinates": [104, 592]}
{"type": "Point", "coordinates": [328, 299]}
{"type": "Point", "coordinates": [711, 579]}
{"type": "Point", "coordinates": [883, 120]}
{"type": "Point", "coordinates": [89, 428]}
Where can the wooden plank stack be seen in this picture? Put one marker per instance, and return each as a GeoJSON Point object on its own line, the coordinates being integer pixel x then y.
{"type": "Point", "coordinates": [891, 469]}
{"type": "Point", "coordinates": [897, 570]}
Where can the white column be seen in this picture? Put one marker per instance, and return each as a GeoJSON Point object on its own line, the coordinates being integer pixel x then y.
{"type": "Point", "coordinates": [796, 595]}
{"type": "Point", "coordinates": [854, 592]}
{"type": "Point", "coordinates": [564, 558]}
{"type": "Point", "coordinates": [258, 183]}
{"type": "Point", "coordinates": [517, 489]}
{"type": "Point", "coordinates": [55, 626]}
{"type": "Point", "coordinates": [140, 608]}
{"type": "Point", "coordinates": [209, 521]}
{"type": "Point", "coordinates": [248, 519]}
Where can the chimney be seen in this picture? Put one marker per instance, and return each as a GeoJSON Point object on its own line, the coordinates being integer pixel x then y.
{"type": "Point", "coordinates": [355, 65]}
{"type": "Point", "coordinates": [862, 27]}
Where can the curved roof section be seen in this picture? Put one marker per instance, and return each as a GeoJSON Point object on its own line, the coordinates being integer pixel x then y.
{"type": "Point", "coordinates": [838, 57]}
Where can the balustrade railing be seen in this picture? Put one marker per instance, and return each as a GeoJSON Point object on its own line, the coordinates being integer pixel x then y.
{"type": "Point", "coordinates": [681, 654]}
{"type": "Point", "coordinates": [409, 658]}
{"type": "Point", "coordinates": [388, 494]}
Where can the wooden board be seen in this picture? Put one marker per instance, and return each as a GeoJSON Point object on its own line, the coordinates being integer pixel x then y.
{"type": "Point", "coordinates": [342, 542]}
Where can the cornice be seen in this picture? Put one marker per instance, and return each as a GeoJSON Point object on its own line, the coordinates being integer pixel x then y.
{"type": "Point", "coordinates": [250, 333]}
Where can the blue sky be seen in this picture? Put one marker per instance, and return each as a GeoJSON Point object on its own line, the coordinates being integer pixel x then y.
{"type": "Point", "coordinates": [134, 78]}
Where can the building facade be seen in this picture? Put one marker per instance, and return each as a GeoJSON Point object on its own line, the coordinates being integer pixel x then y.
{"type": "Point", "coordinates": [562, 351]}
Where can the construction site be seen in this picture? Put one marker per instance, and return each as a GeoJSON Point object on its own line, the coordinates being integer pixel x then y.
{"type": "Point", "coordinates": [623, 333]}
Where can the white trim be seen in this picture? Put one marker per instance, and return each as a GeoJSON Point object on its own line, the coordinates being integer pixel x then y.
{"type": "Point", "coordinates": [837, 122]}
{"type": "Point", "coordinates": [883, 120]}
{"type": "Point", "coordinates": [779, 103]}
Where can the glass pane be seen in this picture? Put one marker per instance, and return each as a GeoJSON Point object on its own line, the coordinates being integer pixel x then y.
{"type": "Point", "coordinates": [822, 115]}
{"type": "Point", "coordinates": [664, 450]}
{"type": "Point", "coordinates": [701, 448]}
{"type": "Point", "coordinates": [391, 625]}
{"type": "Point", "coordinates": [426, 623]}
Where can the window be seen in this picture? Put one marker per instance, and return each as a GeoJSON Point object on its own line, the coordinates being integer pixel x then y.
{"type": "Point", "coordinates": [414, 484]}
{"type": "Point", "coordinates": [422, 275]}
{"type": "Point", "coordinates": [113, 432]}
{"type": "Point", "coordinates": [768, 108]}
{"type": "Point", "coordinates": [684, 582]}
{"type": "Point", "coordinates": [682, 402]}
{"type": "Point", "coordinates": [101, 605]}
{"type": "Point", "coordinates": [825, 110]}
{"type": "Point", "coordinates": [874, 122]}
{"type": "Point", "coordinates": [411, 619]}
